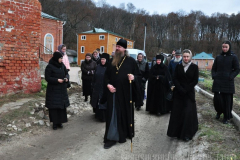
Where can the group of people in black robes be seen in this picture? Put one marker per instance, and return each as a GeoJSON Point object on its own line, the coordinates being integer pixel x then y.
{"type": "Point", "coordinates": [114, 85]}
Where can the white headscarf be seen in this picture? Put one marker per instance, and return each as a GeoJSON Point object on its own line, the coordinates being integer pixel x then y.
{"type": "Point", "coordinates": [186, 65]}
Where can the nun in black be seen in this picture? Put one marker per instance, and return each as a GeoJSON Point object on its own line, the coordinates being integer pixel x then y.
{"type": "Point", "coordinates": [225, 69]}
{"type": "Point", "coordinates": [97, 84]}
{"type": "Point", "coordinates": [183, 122]}
{"type": "Point", "coordinates": [158, 85]}
{"type": "Point", "coordinates": [57, 100]}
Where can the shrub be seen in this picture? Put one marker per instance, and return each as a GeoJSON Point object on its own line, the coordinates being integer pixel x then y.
{"type": "Point", "coordinates": [44, 84]}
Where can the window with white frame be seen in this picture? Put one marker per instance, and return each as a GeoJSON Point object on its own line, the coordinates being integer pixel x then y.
{"type": "Point", "coordinates": [83, 37]}
{"type": "Point", "coordinates": [196, 62]}
{"type": "Point", "coordinates": [101, 37]}
{"type": "Point", "coordinates": [206, 63]}
{"type": "Point", "coordinates": [48, 43]}
{"type": "Point", "coordinates": [102, 49]}
{"type": "Point", "coordinates": [128, 42]}
{"type": "Point", "coordinates": [82, 49]}
{"type": "Point", "coordinates": [116, 39]}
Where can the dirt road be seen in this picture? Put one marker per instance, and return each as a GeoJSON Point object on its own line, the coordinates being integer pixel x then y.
{"type": "Point", "coordinates": [82, 138]}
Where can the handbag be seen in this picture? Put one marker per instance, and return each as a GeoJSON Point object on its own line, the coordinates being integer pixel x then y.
{"type": "Point", "coordinates": [68, 84]}
{"type": "Point", "coordinates": [169, 95]}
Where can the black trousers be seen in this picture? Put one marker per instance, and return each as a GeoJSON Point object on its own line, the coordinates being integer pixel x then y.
{"type": "Point", "coordinates": [223, 103]}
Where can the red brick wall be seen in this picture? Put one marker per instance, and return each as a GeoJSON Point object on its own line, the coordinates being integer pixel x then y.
{"type": "Point", "coordinates": [202, 63]}
{"type": "Point", "coordinates": [55, 28]}
{"type": "Point", "coordinates": [19, 38]}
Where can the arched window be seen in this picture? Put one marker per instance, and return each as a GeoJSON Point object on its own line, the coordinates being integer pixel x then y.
{"type": "Point", "coordinates": [48, 43]}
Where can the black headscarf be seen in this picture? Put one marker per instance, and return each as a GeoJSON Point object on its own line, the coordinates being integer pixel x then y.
{"type": "Point", "coordinates": [54, 59]}
{"type": "Point", "coordinates": [162, 59]}
{"type": "Point", "coordinates": [230, 47]}
{"type": "Point", "coordinates": [106, 56]}
{"type": "Point", "coordinates": [90, 55]}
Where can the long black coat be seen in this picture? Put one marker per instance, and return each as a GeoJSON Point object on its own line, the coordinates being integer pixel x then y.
{"type": "Point", "coordinates": [56, 94]}
{"type": "Point", "coordinates": [157, 89]}
{"type": "Point", "coordinates": [88, 66]}
{"type": "Point", "coordinates": [122, 97]}
{"type": "Point", "coordinates": [97, 85]}
{"type": "Point", "coordinates": [183, 120]}
{"type": "Point", "coordinates": [225, 69]}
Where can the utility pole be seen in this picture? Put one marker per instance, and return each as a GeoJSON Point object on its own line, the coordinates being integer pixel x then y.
{"type": "Point", "coordinates": [145, 36]}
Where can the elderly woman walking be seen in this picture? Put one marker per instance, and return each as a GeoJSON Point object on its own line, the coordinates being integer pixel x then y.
{"type": "Point", "coordinates": [225, 69]}
{"type": "Point", "coordinates": [57, 100]}
{"type": "Point", "coordinates": [183, 122]}
{"type": "Point", "coordinates": [88, 68]}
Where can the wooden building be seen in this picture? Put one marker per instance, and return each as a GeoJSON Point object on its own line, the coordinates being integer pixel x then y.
{"type": "Point", "coordinates": [98, 38]}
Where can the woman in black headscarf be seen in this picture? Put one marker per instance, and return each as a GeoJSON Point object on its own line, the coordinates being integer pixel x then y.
{"type": "Point", "coordinates": [158, 85]}
{"type": "Point", "coordinates": [88, 68]}
{"type": "Point", "coordinates": [225, 69]}
{"type": "Point", "coordinates": [183, 122]}
{"type": "Point", "coordinates": [97, 84]}
{"type": "Point", "coordinates": [57, 100]}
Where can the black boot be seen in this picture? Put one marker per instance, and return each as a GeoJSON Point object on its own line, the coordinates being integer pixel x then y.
{"type": "Point", "coordinates": [54, 126]}
{"type": "Point", "coordinates": [225, 121]}
{"type": "Point", "coordinates": [138, 108]}
{"type": "Point", "coordinates": [86, 99]}
{"type": "Point", "coordinates": [186, 139]}
{"type": "Point", "coordinates": [109, 144]}
{"type": "Point", "coordinates": [218, 115]}
{"type": "Point", "coordinates": [60, 125]}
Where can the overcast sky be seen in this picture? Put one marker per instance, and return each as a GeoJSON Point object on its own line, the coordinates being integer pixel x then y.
{"type": "Point", "coordinates": [166, 6]}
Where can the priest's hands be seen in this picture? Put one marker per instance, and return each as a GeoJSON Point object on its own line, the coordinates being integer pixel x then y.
{"type": "Point", "coordinates": [111, 88]}
{"type": "Point", "coordinates": [130, 77]}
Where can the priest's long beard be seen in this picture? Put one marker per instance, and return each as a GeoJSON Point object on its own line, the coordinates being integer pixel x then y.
{"type": "Point", "coordinates": [117, 58]}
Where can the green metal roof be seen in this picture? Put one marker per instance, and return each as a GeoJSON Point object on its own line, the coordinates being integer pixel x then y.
{"type": "Point", "coordinates": [45, 15]}
{"type": "Point", "coordinates": [203, 55]}
{"type": "Point", "coordinates": [100, 30]}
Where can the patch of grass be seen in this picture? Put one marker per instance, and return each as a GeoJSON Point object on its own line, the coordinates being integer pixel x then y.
{"type": "Point", "coordinates": [208, 83]}
{"type": "Point", "coordinates": [212, 135]}
{"type": "Point", "coordinates": [205, 73]}
{"type": "Point", "coordinates": [238, 75]}
{"type": "Point", "coordinates": [17, 114]}
{"type": "Point", "coordinates": [15, 97]}
{"type": "Point", "coordinates": [44, 84]}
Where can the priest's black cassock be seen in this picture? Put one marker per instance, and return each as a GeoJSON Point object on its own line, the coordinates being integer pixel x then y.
{"type": "Point", "coordinates": [118, 117]}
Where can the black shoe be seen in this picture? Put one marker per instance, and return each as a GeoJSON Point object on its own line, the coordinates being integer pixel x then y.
{"type": "Point", "coordinates": [59, 125]}
{"type": "Point", "coordinates": [158, 114]}
{"type": "Point", "coordinates": [54, 127]}
{"type": "Point", "coordinates": [186, 139]}
{"type": "Point", "coordinates": [218, 116]}
{"type": "Point", "coordinates": [86, 99]}
{"type": "Point", "coordinates": [138, 108]}
{"type": "Point", "coordinates": [225, 121]}
{"type": "Point", "coordinates": [109, 144]}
